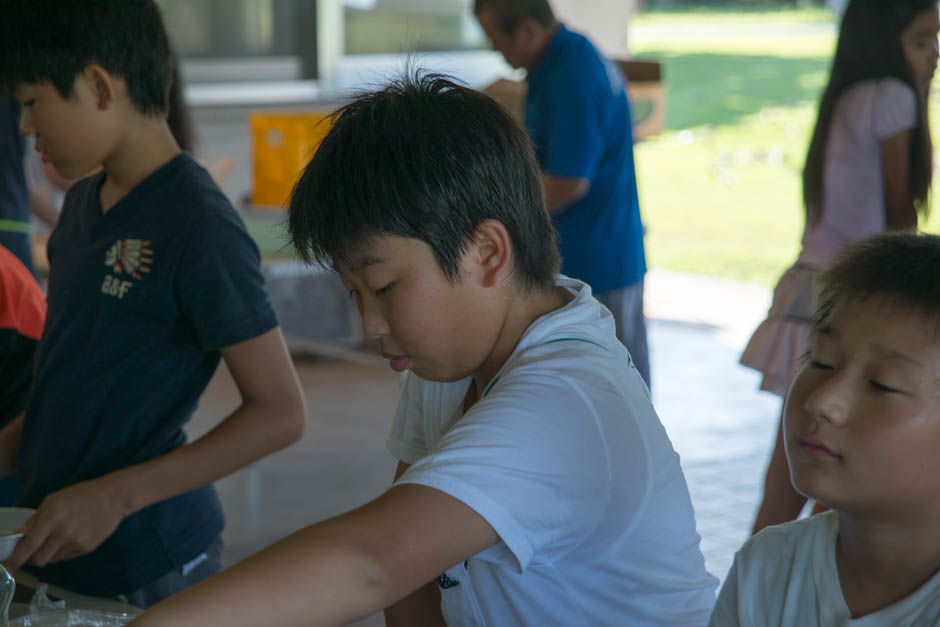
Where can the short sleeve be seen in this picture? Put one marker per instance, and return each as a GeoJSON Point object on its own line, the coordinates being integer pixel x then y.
{"type": "Point", "coordinates": [533, 461]}
{"type": "Point", "coordinates": [573, 135]}
{"type": "Point", "coordinates": [894, 108]}
{"type": "Point", "coordinates": [406, 442]}
{"type": "Point", "coordinates": [219, 283]}
{"type": "Point", "coordinates": [725, 612]}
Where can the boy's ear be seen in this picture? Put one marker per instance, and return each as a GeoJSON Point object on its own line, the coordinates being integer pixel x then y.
{"type": "Point", "coordinates": [101, 83]}
{"type": "Point", "coordinates": [492, 252]}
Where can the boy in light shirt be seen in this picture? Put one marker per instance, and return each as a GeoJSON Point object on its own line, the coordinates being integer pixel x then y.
{"type": "Point", "coordinates": [536, 486]}
{"type": "Point", "coordinates": [862, 428]}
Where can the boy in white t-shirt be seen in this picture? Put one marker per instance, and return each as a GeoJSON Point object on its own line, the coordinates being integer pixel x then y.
{"type": "Point", "coordinates": [536, 484]}
{"type": "Point", "coordinates": [862, 429]}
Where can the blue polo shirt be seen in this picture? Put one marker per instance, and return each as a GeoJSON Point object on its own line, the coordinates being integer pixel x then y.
{"type": "Point", "coordinates": [578, 118]}
{"type": "Point", "coordinates": [141, 299]}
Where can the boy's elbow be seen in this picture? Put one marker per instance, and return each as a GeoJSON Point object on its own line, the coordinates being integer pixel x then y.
{"type": "Point", "coordinates": [286, 420]}
{"type": "Point", "coordinates": [293, 420]}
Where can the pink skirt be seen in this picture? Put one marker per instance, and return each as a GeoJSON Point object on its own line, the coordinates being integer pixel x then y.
{"type": "Point", "coordinates": [780, 343]}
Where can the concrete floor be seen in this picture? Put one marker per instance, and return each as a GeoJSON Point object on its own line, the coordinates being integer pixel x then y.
{"type": "Point", "coordinates": [719, 423]}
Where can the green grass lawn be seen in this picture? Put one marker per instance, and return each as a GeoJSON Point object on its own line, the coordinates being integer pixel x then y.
{"type": "Point", "coordinates": [756, 13]}
{"type": "Point", "coordinates": [720, 188]}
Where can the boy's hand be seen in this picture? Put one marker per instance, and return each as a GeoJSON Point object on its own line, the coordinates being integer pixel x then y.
{"type": "Point", "coordinates": [69, 523]}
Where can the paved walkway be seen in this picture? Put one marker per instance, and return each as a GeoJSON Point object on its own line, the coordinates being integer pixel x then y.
{"type": "Point", "coordinates": [719, 422]}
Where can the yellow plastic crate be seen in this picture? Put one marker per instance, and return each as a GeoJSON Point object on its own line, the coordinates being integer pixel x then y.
{"type": "Point", "coordinates": [283, 143]}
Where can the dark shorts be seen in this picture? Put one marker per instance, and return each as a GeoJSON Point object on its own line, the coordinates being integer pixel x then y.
{"type": "Point", "coordinates": [204, 565]}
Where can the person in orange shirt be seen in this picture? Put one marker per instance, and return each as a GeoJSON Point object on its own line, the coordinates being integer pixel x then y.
{"type": "Point", "coordinates": [22, 315]}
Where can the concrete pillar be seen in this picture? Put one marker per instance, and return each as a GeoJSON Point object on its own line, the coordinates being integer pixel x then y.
{"type": "Point", "coordinates": [330, 40]}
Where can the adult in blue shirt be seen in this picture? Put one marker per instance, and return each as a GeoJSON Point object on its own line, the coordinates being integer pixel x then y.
{"type": "Point", "coordinates": [578, 117]}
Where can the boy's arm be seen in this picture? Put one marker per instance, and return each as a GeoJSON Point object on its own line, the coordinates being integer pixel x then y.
{"type": "Point", "coordinates": [421, 608]}
{"type": "Point", "coordinates": [339, 570]}
{"type": "Point", "coordinates": [76, 519]}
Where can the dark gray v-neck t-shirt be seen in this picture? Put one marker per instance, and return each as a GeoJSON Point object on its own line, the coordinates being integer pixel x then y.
{"type": "Point", "coordinates": [141, 299]}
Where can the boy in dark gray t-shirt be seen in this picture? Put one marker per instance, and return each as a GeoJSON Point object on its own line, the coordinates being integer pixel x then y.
{"type": "Point", "coordinates": [153, 280]}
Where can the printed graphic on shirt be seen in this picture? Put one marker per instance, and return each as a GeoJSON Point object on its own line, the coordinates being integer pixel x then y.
{"type": "Point", "coordinates": [445, 582]}
{"type": "Point", "coordinates": [126, 256]}
{"type": "Point", "coordinates": [129, 256]}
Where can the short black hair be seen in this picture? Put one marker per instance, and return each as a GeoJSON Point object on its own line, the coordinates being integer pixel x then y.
{"type": "Point", "coordinates": [54, 40]}
{"type": "Point", "coordinates": [509, 13]}
{"type": "Point", "coordinates": [429, 159]}
{"type": "Point", "coordinates": [902, 268]}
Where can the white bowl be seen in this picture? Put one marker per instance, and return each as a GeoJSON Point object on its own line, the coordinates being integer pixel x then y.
{"type": "Point", "coordinates": [10, 519]}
